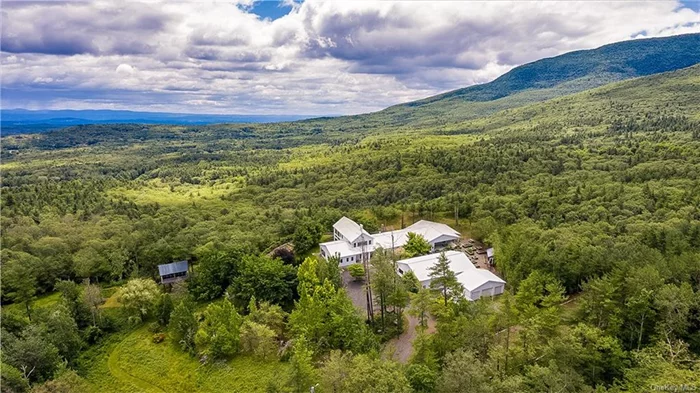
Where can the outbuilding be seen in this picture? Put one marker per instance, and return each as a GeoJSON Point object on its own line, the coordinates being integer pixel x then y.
{"type": "Point", "coordinates": [173, 272]}
{"type": "Point", "coordinates": [477, 282]}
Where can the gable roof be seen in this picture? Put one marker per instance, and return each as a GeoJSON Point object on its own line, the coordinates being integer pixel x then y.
{"type": "Point", "coordinates": [474, 279]}
{"type": "Point", "coordinates": [420, 266]}
{"type": "Point", "coordinates": [431, 231]}
{"type": "Point", "coordinates": [467, 274]}
{"type": "Point", "coordinates": [349, 229]}
{"type": "Point", "coordinates": [173, 268]}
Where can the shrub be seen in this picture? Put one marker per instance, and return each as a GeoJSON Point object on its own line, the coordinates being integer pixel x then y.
{"type": "Point", "coordinates": [357, 272]}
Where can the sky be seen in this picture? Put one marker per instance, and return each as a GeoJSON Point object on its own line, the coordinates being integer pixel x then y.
{"type": "Point", "coordinates": [312, 57]}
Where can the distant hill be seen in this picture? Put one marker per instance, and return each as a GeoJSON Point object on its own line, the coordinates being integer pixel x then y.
{"type": "Point", "coordinates": [549, 78]}
{"type": "Point", "coordinates": [16, 121]}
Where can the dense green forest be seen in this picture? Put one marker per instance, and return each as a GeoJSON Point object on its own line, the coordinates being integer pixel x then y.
{"type": "Point", "coordinates": [591, 200]}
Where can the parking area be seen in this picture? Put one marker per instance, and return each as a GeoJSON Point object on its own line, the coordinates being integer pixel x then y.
{"type": "Point", "coordinates": [356, 291]}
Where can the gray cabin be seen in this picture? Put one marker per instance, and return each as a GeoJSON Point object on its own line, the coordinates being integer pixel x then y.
{"type": "Point", "coordinates": [173, 272]}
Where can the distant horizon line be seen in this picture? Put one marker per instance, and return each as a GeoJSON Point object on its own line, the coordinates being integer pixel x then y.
{"type": "Point", "coordinates": [309, 115]}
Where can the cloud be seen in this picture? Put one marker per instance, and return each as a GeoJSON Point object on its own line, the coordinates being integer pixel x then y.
{"type": "Point", "coordinates": [73, 28]}
{"type": "Point", "coordinates": [323, 57]}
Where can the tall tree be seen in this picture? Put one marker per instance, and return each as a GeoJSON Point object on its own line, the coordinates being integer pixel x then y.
{"type": "Point", "coordinates": [32, 354]}
{"type": "Point", "coordinates": [219, 332]}
{"type": "Point", "coordinates": [421, 303]}
{"type": "Point", "coordinates": [92, 296]}
{"type": "Point", "coordinates": [463, 372]}
{"type": "Point", "coordinates": [267, 279]}
{"type": "Point", "coordinates": [303, 375]}
{"type": "Point", "coordinates": [443, 279]}
{"type": "Point", "coordinates": [326, 316]}
{"type": "Point", "coordinates": [335, 371]}
{"type": "Point", "coordinates": [183, 326]}
{"type": "Point", "coordinates": [62, 332]}
{"type": "Point", "coordinates": [20, 284]}
{"type": "Point", "coordinates": [383, 280]}
{"type": "Point", "coordinates": [306, 236]}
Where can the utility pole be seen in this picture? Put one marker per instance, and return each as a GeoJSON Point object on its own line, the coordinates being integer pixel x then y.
{"type": "Point", "coordinates": [368, 289]}
{"type": "Point", "coordinates": [399, 312]}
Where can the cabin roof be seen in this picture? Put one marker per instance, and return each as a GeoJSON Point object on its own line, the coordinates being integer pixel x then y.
{"type": "Point", "coordinates": [173, 268]}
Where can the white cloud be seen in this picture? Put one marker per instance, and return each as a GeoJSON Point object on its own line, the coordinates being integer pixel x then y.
{"type": "Point", "coordinates": [324, 57]}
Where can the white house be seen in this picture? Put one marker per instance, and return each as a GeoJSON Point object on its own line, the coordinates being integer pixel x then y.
{"type": "Point", "coordinates": [477, 282]}
{"type": "Point", "coordinates": [351, 241]}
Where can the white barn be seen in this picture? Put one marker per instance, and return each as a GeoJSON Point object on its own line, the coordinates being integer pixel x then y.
{"type": "Point", "coordinates": [351, 241]}
{"type": "Point", "coordinates": [477, 282]}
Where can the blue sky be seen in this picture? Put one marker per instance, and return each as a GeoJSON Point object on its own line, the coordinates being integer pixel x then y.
{"type": "Point", "coordinates": [271, 9]}
{"type": "Point", "coordinates": [313, 57]}
{"type": "Point", "coordinates": [692, 4]}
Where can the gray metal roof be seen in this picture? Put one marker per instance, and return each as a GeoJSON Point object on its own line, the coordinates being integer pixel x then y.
{"type": "Point", "coordinates": [172, 268]}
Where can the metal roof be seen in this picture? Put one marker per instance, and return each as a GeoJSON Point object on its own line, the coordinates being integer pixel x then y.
{"type": "Point", "coordinates": [349, 229]}
{"type": "Point", "coordinates": [467, 274]}
{"type": "Point", "coordinates": [421, 265]}
{"type": "Point", "coordinates": [173, 268]}
{"type": "Point", "coordinates": [431, 232]}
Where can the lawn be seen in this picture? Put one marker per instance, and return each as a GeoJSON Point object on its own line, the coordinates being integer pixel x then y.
{"type": "Point", "coordinates": [43, 301]}
{"type": "Point", "coordinates": [133, 363]}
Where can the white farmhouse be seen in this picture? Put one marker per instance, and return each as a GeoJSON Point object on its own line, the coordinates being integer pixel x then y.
{"type": "Point", "coordinates": [477, 282]}
{"type": "Point", "coordinates": [351, 242]}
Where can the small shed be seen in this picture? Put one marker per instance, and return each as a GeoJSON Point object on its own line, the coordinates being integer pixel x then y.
{"type": "Point", "coordinates": [173, 272]}
{"type": "Point", "coordinates": [489, 255]}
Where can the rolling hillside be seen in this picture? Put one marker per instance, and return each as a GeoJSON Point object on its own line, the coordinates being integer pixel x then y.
{"type": "Point", "coordinates": [549, 78]}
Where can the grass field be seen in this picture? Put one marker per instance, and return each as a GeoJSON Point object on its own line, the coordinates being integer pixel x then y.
{"type": "Point", "coordinates": [43, 301]}
{"type": "Point", "coordinates": [133, 363]}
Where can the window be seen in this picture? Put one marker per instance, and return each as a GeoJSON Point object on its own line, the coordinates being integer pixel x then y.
{"type": "Point", "coordinates": [400, 271]}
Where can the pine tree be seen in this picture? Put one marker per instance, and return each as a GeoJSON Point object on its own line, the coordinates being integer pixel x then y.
{"type": "Point", "coordinates": [444, 279]}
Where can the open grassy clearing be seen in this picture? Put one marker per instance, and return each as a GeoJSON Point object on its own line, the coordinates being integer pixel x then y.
{"type": "Point", "coordinates": [158, 191]}
{"type": "Point", "coordinates": [133, 363]}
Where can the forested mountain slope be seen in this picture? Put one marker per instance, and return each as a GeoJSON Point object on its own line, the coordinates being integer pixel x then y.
{"type": "Point", "coordinates": [552, 77]}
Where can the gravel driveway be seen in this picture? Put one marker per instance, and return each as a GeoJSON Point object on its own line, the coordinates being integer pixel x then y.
{"type": "Point", "coordinates": [400, 347]}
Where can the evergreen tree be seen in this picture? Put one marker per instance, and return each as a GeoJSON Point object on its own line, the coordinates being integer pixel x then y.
{"type": "Point", "coordinates": [443, 279]}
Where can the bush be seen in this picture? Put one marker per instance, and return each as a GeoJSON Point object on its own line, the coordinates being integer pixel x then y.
{"type": "Point", "coordinates": [92, 334]}
{"type": "Point", "coordinates": [155, 327]}
{"type": "Point", "coordinates": [357, 272]}
{"type": "Point", "coordinates": [11, 380]}
{"type": "Point", "coordinates": [258, 340]}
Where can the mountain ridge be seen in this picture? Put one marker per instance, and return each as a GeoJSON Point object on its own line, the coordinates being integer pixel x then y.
{"type": "Point", "coordinates": [552, 77]}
